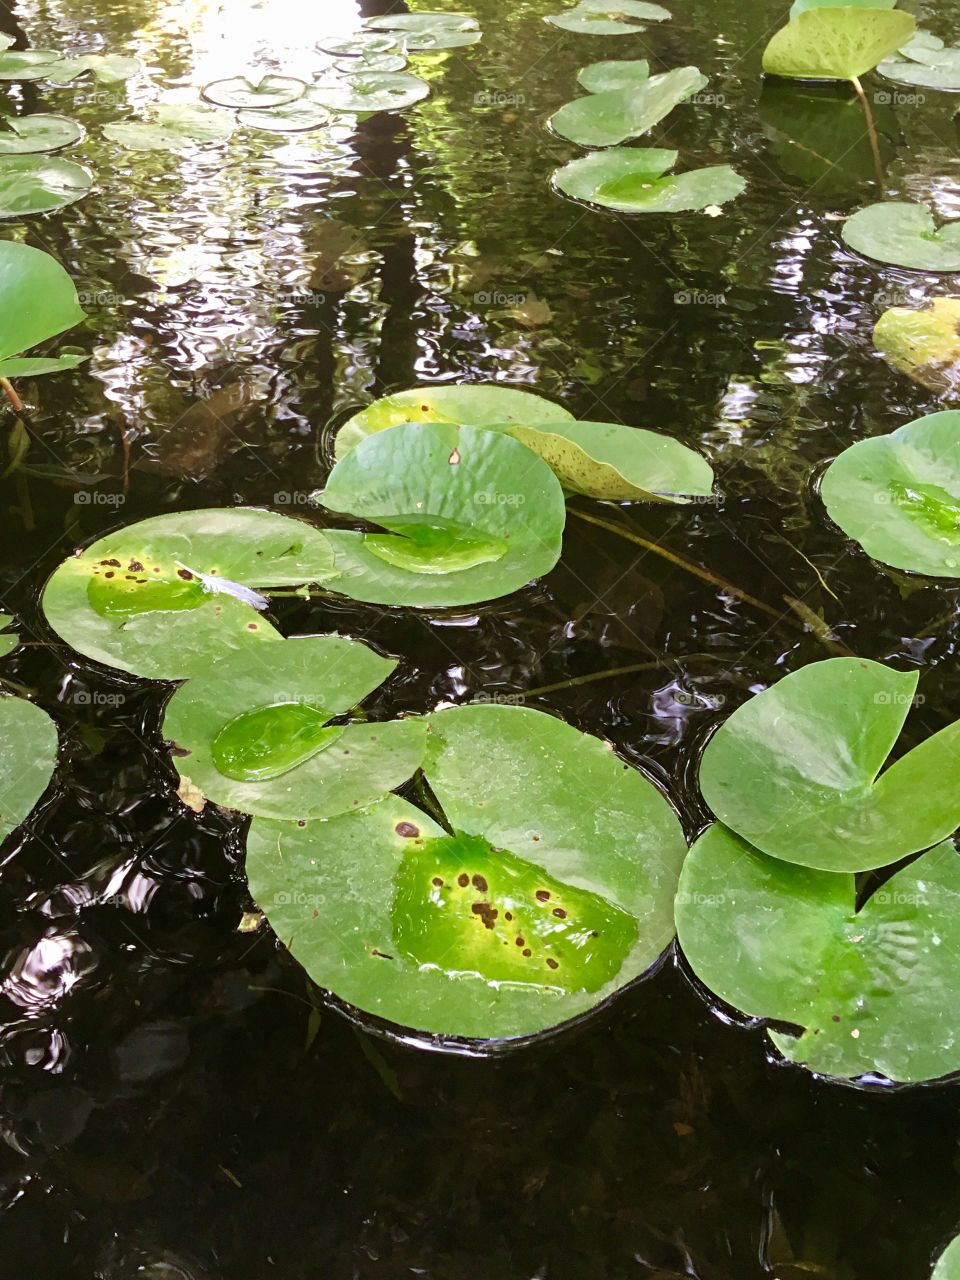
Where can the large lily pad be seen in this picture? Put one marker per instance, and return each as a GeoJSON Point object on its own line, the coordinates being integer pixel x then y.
{"type": "Point", "coordinates": [898, 495]}
{"type": "Point", "coordinates": [359, 45]}
{"type": "Point", "coordinates": [904, 235]}
{"type": "Point", "coordinates": [154, 616]}
{"type": "Point", "coordinates": [948, 1264]}
{"type": "Point", "coordinates": [608, 17]}
{"type": "Point", "coordinates": [28, 756]}
{"type": "Point", "coordinates": [105, 68]}
{"type": "Point", "coordinates": [27, 64]}
{"type": "Point", "coordinates": [173, 127]}
{"type": "Point", "coordinates": [479, 405]}
{"type": "Point", "coordinates": [253, 733]}
{"type": "Point", "coordinates": [554, 892]}
{"type": "Point", "coordinates": [837, 43]}
{"type": "Point", "coordinates": [924, 343]}
{"type": "Point", "coordinates": [244, 94]}
{"type": "Point", "coordinates": [471, 515]}
{"type": "Point", "coordinates": [602, 119]}
{"type": "Point", "coordinates": [37, 301]}
{"type": "Point", "coordinates": [871, 991]}
{"type": "Point", "coordinates": [30, 135]}
{"type": "Point", "coordinates": [367, 92]}
{"type": "Point", "coordinates": [603, 77]}
{"type": "Point", "coordinates": [39, 184]}
{"type": "Point", "coordinates": [295, 117]}
{"type": "Point", "coordinates": [631, 180]}
{"type": "Point", "coordinates": [796, 770]}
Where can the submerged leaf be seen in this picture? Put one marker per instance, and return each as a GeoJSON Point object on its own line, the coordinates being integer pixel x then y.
{"type": "Point", "coordinates": [605, 118]}
{"type": "Point", "coordinates": [904, 235]}
{"type": "Point", "coordinates": [434, 547]}
{"type": "Point", "coordinates": [837, 43]}
{"type": "Point", "coordinates": [923, 343]}
{"type": "Point", "coordinates": [259, 745]}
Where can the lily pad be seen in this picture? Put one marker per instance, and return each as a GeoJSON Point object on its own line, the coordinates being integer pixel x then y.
{"type": "Point", "coordinates": [493, 511]}
{"type": "Point", "coordinates": [27, 64]}
{"type": "Point", "coordinates": [39, 184]}
{"type": "Point", "coordinates": [476, 405]}
{"type": "Point", "coordinates": [601, 119]}
{"type": "Point", "coordinates": [253, 732]}
{"type": "Point", "coordinates": [37, 301]}
{"type": "Point", "coordinates": [28, 756]}
{"type": "Point", "coordinates": [948, 1264]}
{"type": "Point", "coordinates": [243, 94]}
{"type": "Point", "coordinates": [801, 6]}
{"type": "Point", "coordinates": [837, 43]}
{"type": "Point", "coordinates": [608, 17]}
{"type": "Point", "coordinates": [904, 235]}
{"type": "Point", "coordinates": [553, 892]}
{"type": "Point", "coordinates": [371, 91]}
{"type": "Point", "coordinates": [923, 343]}
{"type": "Point", "coordinates": [418, 23]}
{"type": "Point", "coordinates": [28, 135]}
{"type": "Point", "coordinates": [296, 117]}
{"type": "Point", "coordinates": [153, 616]}
{"type": "Point", "coordinates": [105, 68]}
{"type": "Point", "coordinates": [360, 44]}
{"type": "Point", "coordinates": [631, 180]}
{"type": "Point", "coordinates": [870, 991]}
{"type": "Point", "coordinates": [795, 769]}
{"type": "Point", "coordinates": [372, 62]}
{"type": "Point", "coordinates": [898, 495]}
{"type": "Point", "coordinates": [605, 77]}
{"type": "Point", "coordinates": [172, 128]}
{"type": "Point", "coordinates": [944, 76]}
{"type": "Point", "coordinates": [9, 640]}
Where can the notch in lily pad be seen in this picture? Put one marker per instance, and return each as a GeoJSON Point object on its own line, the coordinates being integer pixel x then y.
{"type": "Point", "coordinates": [38, 301]}
{"type": "Point", "coordinates": [246, 94]}
{"type": "Point", "coordinates": [636, 180]}
{"type": "Point", "coordinates": [548, 888]}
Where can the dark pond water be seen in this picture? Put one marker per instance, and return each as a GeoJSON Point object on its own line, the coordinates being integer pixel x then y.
{"type": "Point", "coordinates": [177, 1101]}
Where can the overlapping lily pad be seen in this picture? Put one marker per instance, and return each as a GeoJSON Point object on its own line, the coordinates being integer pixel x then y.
{"type": "Point", "coordinates": [27, 64]}
{"type": "Point", "coordinates": [428, 32]}
{"type": "Point", "coordinates": [253, 732]}
{"type": "Point", "coordinates": [904, 234]}
{"type": "Point", "coordinates": [40, 184]}
{"type": "Point", "coordinates": [551, 890]}
{"type": "Point", "coordinates": [608, 17]}
{"type": "Point", "coordinates": [135, 599]}
{"type": "Point", "coordinates": [836, 43]}
{"type": "Point", "coordinates": [796, 770]}
{"type": "Point", "coordinates": [602, 119]}
{"type": "Point", "coordinates": [636, 180]}
{"type": "Point", "coordinates": [37, 301]}
{"type": "Point", "coordinates": [898, 495]}
{"type": "Point", "coordinates": [367, 92]}
{"type": "Point", "coordinates": [870, 991]}
{"type": "Point", "coordinates": [470, 515]}
{"type": "Point", "coordinates": [359, 45]}
{"type": "Point", "coordinates": [105, 68]}
{"type": "Point", "coordinates": [172, 127]}
{"type": "Point", "coordinates": [33, 134]}
{"type": "Point", "coordinates": [603, 77]}
{"type": "Point", "coordinates": [926, 62]}
{"type": "Point", "coordinates": [295, 117]}
{"type": "Point", "coordinates": [924, 343]}
{"type": "Point", "coordinates": [28, 756]}
{"type": "Point", "coordinates": [243, 94]}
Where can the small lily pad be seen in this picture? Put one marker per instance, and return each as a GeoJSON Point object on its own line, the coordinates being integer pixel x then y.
{"type": "Point", "coordinates": [631, 180]}
{"type": "Point", "coordinates": [924, 343]}
{"type": "Point", "coordinates": [604, 77]}
{"type": "Point", "coordinates": [360, 44]}
{"type": "Point", "coordinates": [253, 732]}
{"type": "Point", "coordinates": [172, 128]}
{"type": "Point", "coordinates": [372, 62]}
{"type": "Point", "coordinates": [29, 135]}
{"type": "Point", "coordinates": [602, 119]}
{"type": "Point", "coordinates": [608, 17]}
{"type": "Point", "coordinates": [296, 117]}
{"type": "Point", "coordinates": [870, 990]}
{"type": "Point", "coordinates": [27, 64]}
{"type": "Point", "coordinates": [904, 235]}
{"type": "Point", "coordinates": [28, 756]}
{"type": "Point", "coordinates": [417, 23]}
{"type": "Point", "coordinates": [39, 184]}
{"type": "Point", "coordinates": [796, 769]}
{"type": "Point", "coordinates": [837, 43]}
{"type": "Point", "coordinates": [371, 91]}
{"type": "Point", "coordinates": [898, 495]}
{"type": "Point", "coordinates": [944, 76]}
{"type": "Point", "coordinates": [948, 1264]}
{"type": "Point", "coordinates": [243, 94]}
{"type": "Point", "coordinates": [39, 301]}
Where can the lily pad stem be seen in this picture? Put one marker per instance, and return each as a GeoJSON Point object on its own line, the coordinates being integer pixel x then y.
{"type": "Point", "coordinates": [871, 128]}
{"type": "Point", "coordinates": [16, 404]}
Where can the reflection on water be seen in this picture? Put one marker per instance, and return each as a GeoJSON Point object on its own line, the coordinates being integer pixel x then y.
{"type": "Point", "coordinates": [174, 1104]}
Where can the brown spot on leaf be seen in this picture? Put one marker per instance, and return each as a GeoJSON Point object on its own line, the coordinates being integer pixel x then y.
{"type": "Point", "coordinates": [552, 964]}
{"type": "Point", "coordinates": [559, 913]}
{"type": "Point", "coordinates": [480, 884]}
{"type": "Point", "coordinates": [185, 574]}
{"type": "Point", "coordinates": [407, 830]}
{"type": "Point", "coordinates": [463, 879]}
{"type": "Point", "coordinates": [543, 895]}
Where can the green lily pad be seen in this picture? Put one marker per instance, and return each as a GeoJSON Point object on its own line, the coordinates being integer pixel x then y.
{"type": "Point", "coordinates": [153, 617]}
{"type": "Point", "coordinates": [554, 891]}
{"type": "Point", "coordinates": [945, 76]}
{"type": "Point", "coordinates": [172, 128]}
{"type": "Point", "coordinates": [27, 64]}
{"type": "Point", "coordinates": [253, 732]}
{"type": "Point", "coordinates": [449, 478]}
{"type": "Point", "coordinates": [105, 68]}
{"type": "Point", "coordinates": [923, 343]}
{"type": "Point", "coordinates": [904, 235]}
{"type": "Point", "coordinates": [372, 62]}
{"type": "Point", "coordinates": [604, 77]}
{"type": "Point", "coordinates": [838, 43]}
{"type": "Point", "coordinates": [601, 119]}
{"type": "Point", "coordinates": [795, 769]}
{"type": "Point", "coordinates": [243, 94]}
{"type": "Point", "coordinates": [418, 23]}
{"type": "Point", "coordinates": [28, 756]}
{"type": "Point", "coordinates": [296, 117]}
{"type": "Point", "coordinates": [39, 184]}
{"type": "Point", "coordinates": [28, 135]}
{"type": "Point", "coordinates": [898, 495]}
{"type": "Point", "coordinates": [948, 1264]}
{"type": "Point", "coordinates": [9, 640]}
{"type": "Point", "coordinates": [870, 991]}
{"type": "Point", "coordinates": [37, 301]}
{"type": "Point", "coordinates": [801, 6]}
{"type": "Point", "coordinates": [608, 17]}
{"type": "Point", "coordinates": [358, 45]}
{"type": "Point", "coordinates": [371, 91]}
{"type": "Point", "coordinates": [476, 405]}
{"type": "Point", "coordinates": [630, 180]}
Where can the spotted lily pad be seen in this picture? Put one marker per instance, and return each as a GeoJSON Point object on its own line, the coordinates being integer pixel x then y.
{"type": "Point", "coordinates": [29, 135]}
{"type": "Point", "coordinates": [904, 235]}
{"type": "Point", "coordinates": [608, 17]}
{"type": "Point", "coordinates": [551, 890]}
{"type": "Point", "coordinates": [371, 91]}
{"type": "Point", "coordinates": [172, 127]}
{"type": "Point", "coordinates": [836, 43]}
{"type": "Point", "coordinates": [924, 343]}
{"type": "Point", "coordinates": [604, 77]}
{"type": "Point", "coordinates": [39, 184]}
{"type": "Point", "coordinates": [601, 119]}
{"type": "Point", "coordinates": [631, 180]}
{"type": "Point", "coordinates": [28, 756]}
{"type": "Point", "coordinates": [153, 616]}
{"type": "Point", "coordinates": [37, 301]}
{"type": "Point", "coordinates": [253, 733]}
{"type": "Point", "coordinates": [869, 991]}
{"type": "Point", "coordinates": [898, 495]}
{"type": "Point", "coordinates": [243, 94]}
{"type": "Point", "coordinates": [495, 513]}
{"type": "Point", "coordinates": [796, 769]}
{"type": "Point", "coordinates": [295, 117]}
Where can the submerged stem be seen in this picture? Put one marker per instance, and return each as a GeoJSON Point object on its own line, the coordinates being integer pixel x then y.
{"type": "Point", "coordinates": [871, 128]}
{"type": "Point", "coordinates": [16, 404]}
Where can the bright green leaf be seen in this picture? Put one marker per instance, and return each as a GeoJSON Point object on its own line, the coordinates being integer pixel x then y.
{"type": "Point", "coordinates": [39, 184]}
{"type": "Point", "coordinates": [28, 755]}
{"type": "Point", "coordinates": [604, 119]}
{"type": "Point", "coordinates": [631, 180]}
{"type": "Point", "coordinates": [836, 43]}
{"type": "Point", "coordinates": [28, 135]}
{"type": "Point", "coordinates": [37, 300]}
{"type": "Point", "coordinates": [904, 235]}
